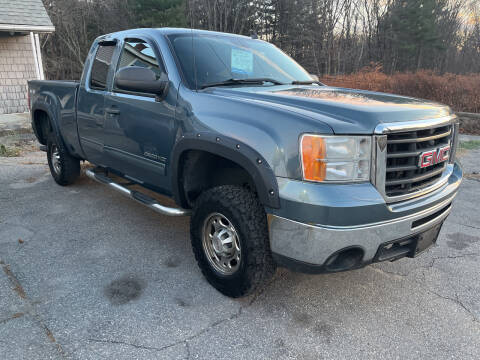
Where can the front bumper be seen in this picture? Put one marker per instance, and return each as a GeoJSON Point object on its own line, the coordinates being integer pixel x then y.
{"type": "Point", "coordinates": [310, 246]}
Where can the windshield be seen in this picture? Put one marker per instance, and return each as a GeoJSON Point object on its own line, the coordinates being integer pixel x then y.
{"type": "Point", "coordinates": [220, 58]}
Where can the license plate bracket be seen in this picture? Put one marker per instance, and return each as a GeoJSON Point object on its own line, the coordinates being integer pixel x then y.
{"type": "Point", "coordinates": [427, 239]}
{"type": "Point", "coordinates": [408, 247]}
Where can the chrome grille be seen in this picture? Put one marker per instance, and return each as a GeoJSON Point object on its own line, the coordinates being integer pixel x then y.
{"type": "Point", "coordinates": [403, 175]}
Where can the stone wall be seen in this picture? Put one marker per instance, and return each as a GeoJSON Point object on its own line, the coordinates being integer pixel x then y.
{"type": "Point", "coordinates": [17, 66]}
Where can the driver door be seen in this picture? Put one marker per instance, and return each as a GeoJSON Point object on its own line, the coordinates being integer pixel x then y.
{"type": "Point", "coordinates": [139, 127]}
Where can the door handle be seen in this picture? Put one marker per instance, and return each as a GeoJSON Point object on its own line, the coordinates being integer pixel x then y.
{"type": "Point", "coordinates": [112, 111]}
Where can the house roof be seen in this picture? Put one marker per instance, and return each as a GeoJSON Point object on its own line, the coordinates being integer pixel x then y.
{"type": "Point", "coordinates": [24, 15]}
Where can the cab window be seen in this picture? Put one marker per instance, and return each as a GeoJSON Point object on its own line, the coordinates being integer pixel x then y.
{"type": "Point", "coordinates": [100, 66]}
{"type": "Point", "coordinates": [137, 52]}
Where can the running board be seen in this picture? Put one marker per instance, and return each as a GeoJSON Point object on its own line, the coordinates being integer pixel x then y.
{"type": "Point", "coordinates": [136, 195]}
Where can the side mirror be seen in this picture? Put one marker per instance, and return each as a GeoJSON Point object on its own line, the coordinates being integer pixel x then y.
{"type": "Point", "coordinates": [140, 79]}
{"type": "Point", "coordinates": [314, 77]}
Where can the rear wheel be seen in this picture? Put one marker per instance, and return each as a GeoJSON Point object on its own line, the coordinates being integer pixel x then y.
{"type": "Point", "coordinates": [64, 168]}
{"type": "Point", "coordinates": [230, 240]}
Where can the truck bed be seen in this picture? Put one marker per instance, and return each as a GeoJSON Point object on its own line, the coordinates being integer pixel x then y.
{"type": "Point", "coordinates": [56, 97]}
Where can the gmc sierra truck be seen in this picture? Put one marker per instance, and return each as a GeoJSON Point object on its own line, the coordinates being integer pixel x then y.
{"type": "Point", "coordinates": [274, 167]}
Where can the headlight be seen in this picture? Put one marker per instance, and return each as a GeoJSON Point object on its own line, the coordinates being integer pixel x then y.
{"type": "Point", "coordinates": [336, 158]}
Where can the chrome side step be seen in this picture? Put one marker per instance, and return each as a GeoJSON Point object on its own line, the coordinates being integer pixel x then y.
{"type": "Point", "coordinates": [136, 195]}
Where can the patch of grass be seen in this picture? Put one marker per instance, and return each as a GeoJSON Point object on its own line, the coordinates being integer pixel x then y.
{"type": "Point", "coordinates": [469, 145]}
{"type": "Point", "coordinates": [9, 151]}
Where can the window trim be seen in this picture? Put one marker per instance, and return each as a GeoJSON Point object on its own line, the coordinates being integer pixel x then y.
{"type": "Point", "coordinates": [158, 57]}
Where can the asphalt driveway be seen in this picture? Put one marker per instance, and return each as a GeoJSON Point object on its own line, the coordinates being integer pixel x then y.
{"type": "Point", "coordinates": [88, 274]}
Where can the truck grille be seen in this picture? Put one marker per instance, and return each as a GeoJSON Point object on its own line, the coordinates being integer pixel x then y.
{"type": "Point", "coordinates": [403, 175]}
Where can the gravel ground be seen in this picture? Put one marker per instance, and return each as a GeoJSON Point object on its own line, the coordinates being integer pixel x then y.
{"type": "Point", "coordinates": [89, 274]}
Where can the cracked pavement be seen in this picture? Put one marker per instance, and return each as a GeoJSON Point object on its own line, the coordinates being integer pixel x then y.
{"type": "Point", "coordinates": [88, 274]}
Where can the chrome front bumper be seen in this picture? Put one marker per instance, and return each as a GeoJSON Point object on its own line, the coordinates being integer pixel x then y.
{"type": "Point", "coordinates": [313, 244]}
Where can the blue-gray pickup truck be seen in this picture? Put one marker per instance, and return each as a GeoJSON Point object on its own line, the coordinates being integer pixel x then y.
{"type": "Point", "coordinates": [274, 167]}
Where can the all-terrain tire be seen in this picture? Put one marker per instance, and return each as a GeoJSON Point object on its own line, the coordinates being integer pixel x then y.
{"type": "Point", "coordinates": [65, 168]}
{"type": "Point", "coordinates": [242, 208]}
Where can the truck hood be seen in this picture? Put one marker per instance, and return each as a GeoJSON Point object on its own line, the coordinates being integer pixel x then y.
{"type": "Point", "coordinates": [346, 111]}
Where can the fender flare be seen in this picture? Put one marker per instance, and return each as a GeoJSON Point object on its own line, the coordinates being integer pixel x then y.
{"type": "Point", "coordinates": [51, 116]}
{"type": "Point", "coordinates": [233, 150]}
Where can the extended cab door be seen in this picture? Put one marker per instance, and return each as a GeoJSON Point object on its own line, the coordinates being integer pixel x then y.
{"type": "Point", "coordinates": [91, 102]}
{"type": "Point", "coordinates": [139, 127]}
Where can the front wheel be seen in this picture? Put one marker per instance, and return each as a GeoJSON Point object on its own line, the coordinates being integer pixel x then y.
{"type": "Point", "coordinates": [64, 167]}
{"type": "Point", "coordinates": [230, 240]}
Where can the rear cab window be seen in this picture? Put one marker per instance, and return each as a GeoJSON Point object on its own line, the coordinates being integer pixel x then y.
{"type": "Point", "coordinates": [101, 65]}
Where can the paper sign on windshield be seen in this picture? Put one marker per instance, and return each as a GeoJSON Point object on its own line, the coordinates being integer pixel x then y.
{"type": "Point", "coordinates": [242, 61]}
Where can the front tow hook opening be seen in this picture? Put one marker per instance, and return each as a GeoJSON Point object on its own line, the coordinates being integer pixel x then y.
{"type": "Point", "coordinates": [345, 259]}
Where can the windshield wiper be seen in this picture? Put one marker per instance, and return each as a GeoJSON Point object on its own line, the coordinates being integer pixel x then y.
{"type": "Point", "coordinates": [252, 81]}
{"type": "Point", "coordinates": [306, 82]}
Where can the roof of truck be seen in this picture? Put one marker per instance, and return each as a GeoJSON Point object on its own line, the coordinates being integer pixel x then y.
{"type": "Point", "coordinates": [173, 31]}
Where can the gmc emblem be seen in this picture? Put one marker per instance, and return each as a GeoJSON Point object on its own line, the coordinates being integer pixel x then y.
{"type": "Point", "coordinates": [432, 157]}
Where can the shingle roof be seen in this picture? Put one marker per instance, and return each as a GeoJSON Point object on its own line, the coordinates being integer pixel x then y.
{"type": "Point", "coordinates": [24, 14]}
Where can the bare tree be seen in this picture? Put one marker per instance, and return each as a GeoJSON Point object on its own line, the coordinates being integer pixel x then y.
{"type": "Point", "coordinates": [77, 24]}
{"type": "Point", "coordinates": [325, 36]}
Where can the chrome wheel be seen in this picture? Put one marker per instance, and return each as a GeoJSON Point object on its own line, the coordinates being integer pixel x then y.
{"type": "Point", "coordinates": [221, 244]}
{"type": "Point", "coordinates": [55, 158]}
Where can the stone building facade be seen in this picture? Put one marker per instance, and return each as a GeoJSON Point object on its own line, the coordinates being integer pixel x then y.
{"type": "Point", "coordinates": [20, 56]}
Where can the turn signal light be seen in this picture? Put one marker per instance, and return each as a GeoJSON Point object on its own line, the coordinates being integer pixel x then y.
{"type": "Point", "coordinates": [313, 151]}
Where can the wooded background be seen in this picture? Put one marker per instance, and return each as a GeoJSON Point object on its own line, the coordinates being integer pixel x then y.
{"type": "Point", "coordinates": [325, 36]}
{"type": "Point", "coordinates": [328, 37]}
